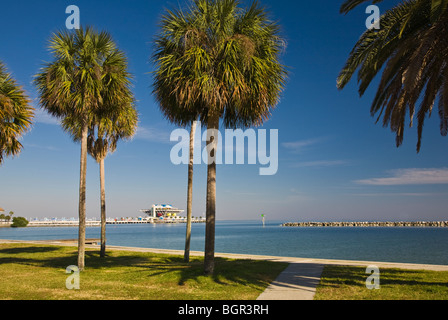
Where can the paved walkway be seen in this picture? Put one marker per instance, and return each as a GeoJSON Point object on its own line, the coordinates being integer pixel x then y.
{"type": "Point", "coordinates": [297, 282]}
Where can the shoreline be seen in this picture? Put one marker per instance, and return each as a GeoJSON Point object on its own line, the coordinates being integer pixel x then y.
{"type": "Point", "coordinates": [380, 264]}
{"type": "Point", "coordinates": [97, 223]}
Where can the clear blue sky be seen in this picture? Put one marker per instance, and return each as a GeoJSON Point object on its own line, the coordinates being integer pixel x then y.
{"type": "Point", "coordinates": [335, 163]}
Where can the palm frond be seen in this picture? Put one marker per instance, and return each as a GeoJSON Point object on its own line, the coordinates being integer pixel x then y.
{"type": "Point", "coordinates": [349, 5]}
{"type": "Point", "coordinates": [16, 114]}
{"type": "Point", "coordinates": [410, 51]}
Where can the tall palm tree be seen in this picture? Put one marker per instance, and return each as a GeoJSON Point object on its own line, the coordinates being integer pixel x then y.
{"type": "Point", "coordinates": [16, 114]}
{"type": "Point", "coordinates": [218, 61]}
{"type": "Point", "coordinates": [411, 51]}
{"type": "Point", "coordinates": [71, 85]}
{"type": "Point", "coordinates": [190, 192]}
{"type": "Point", "coordinates": [184, 118]}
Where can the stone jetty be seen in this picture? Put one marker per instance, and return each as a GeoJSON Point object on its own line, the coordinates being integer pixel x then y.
{"type": "Point", "coordinates": [439, 224]}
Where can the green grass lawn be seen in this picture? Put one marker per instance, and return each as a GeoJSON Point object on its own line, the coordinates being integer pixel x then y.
{"type": "Point", "coordinates": [31, 272]}
{"type": "Point", "coordinates": [37, 272]}
{"type": "Point", "coordinates": [349, 283]}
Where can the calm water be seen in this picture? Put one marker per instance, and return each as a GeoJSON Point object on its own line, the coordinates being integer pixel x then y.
{"type": "Point", "coordinates": [412, 245]}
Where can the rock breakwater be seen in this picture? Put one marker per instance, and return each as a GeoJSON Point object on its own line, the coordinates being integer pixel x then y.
{"type": "Point", "coordinates": [440, 224]}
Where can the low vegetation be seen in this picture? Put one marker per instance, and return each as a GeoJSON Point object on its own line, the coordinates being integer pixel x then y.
{"type": "Point", "coordinates": [19, 222]}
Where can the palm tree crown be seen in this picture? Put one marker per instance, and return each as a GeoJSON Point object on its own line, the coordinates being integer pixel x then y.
{"type": "Point", "coordinates": [71, 84]}
{"type": "Point", "coordinates": [116, 117]}
{"type": "Point", "coordinates": [16, 114]}
{"type": "Point", "coordinates": [217, 57]}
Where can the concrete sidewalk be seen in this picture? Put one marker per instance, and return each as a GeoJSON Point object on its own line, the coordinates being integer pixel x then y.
{"type": "Point", "coordinates": [297, 282]}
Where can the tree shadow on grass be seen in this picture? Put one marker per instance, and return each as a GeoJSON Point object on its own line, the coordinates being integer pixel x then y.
{"type": "Point", "coordinates": [60, 257]}
{"type": "Point", "coordinates": [228, 272]}
{"type": "Point", "coordinates": [24, 254]}
{"type": "Point", "coordinates": [94, 261]}
{"type": "Point", "coordinates": [28, 249]}
{"type": "Point", "coordinates": [335, 276]}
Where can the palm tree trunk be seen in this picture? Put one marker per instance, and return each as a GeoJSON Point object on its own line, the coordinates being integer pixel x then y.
{"type": "Point", "coordinates": [103, 210]}
{"type": "Point", "coordinates": [82, 199]}
{"type": "Point", "coordinates": [212, 143]}
{"type": "Point", "coordinates": [190, 193]}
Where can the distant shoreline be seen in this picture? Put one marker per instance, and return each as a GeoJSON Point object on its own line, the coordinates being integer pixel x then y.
{"type": "Point", "coordinates": [438, 224]}
{"type": "Point", "coordinates": [97, 223]}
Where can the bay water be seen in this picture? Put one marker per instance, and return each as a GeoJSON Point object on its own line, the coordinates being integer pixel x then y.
{"type": "Point", "coordinates": [384, 244]}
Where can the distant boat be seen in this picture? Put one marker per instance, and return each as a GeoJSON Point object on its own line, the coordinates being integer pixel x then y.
{"type": "Point", "coordinates": [161, 211]}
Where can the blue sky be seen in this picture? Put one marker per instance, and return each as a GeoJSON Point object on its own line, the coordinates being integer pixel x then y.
{"type": "Point", "coordinates": [335, 163]}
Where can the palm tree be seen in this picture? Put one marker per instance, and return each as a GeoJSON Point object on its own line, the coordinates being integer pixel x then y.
{"type": "Point", "coordinates": [411, 51]}
{"type": "Point", "coordinates": [218, 61]}
{"type": "Point", "coordinates": [190, 192]}
{"type": "Point", "coordinates": [16, 114]}
{"type": "Point", "coordinates": [180, 117]}
{"type": "Point", "coordinates": [72, 85]}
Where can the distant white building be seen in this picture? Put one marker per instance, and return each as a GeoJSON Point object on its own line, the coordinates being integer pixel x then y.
{"type": "Point", "coordinates": [162, 211]}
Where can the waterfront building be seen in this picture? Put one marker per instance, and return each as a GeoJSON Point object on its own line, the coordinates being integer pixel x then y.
{"type": "Point", "coordinates": [162, 211]}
